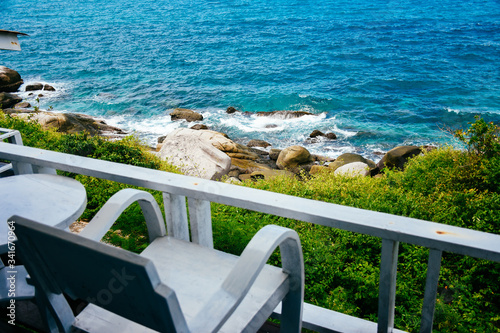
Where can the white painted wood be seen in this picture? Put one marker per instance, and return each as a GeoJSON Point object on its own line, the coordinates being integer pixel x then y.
{"type": "Point", "coordinates": [322, 320]}
{"type": "Point", "coordinates": [245, 271]}
{"type": "Point", "coordinates": [114, 207]}
{"type": "Point", "coordinates": [214, 268]}
{"type": "Point", "coordinates": [200, 220]}
{"type": "Point", "coordinates": [172, 286]}
{"type": "Point", "coordinates": [176, 216]}
{"type": "Point", "coordinates": [21, 168]}
{"type": "Point", "coordinates": [292, 305]}
{"type": "Point", "coordinates": [48, 171]}
{"type": "Point", "coordinates": [12, 136]}
{"type": "Point", "coordinates": [431, 284]}
{"type": "Point", "coordinates": [96, 319]}
{"type": "Point", "coordinates": [117, 280]}
{"type": "Point", "coordinates": [54, 200]}
{"type": "Point", "coordinates": [5, 167]}
{"type": "Point", "coordinates": [387, 286]}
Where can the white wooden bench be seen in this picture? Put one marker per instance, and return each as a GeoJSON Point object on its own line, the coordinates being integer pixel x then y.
{"type": "Point", "coordinates": [173, 286]}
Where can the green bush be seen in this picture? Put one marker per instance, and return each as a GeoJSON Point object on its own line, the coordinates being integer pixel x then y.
{"type": "Point", "coordinates": [481, 138]}
{"type": "Point", "coordinates": [483, 147]}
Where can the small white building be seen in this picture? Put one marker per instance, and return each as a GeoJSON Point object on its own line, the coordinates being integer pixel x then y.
{"type": "Point", "coordinates": [9, 41]}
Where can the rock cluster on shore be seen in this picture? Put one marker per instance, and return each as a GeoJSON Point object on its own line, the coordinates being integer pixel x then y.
{"type": "Point", "coordinates": [201, 152]}
{"type": "Point", "coordinates": [197, 151]}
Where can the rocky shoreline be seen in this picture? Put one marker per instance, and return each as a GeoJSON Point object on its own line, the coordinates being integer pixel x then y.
{"type": "Point", "coordinates": [201, 152]}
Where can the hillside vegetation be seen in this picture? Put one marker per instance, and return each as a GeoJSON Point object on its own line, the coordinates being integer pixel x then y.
{"type": "Point", "coordinates": [460, 188]}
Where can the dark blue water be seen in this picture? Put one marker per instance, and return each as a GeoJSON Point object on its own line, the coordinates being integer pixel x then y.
{"type": "Point", "coordinates": [377, 73]}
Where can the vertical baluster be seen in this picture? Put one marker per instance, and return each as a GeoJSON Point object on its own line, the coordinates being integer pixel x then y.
{"type": "Point", "coordinates": [15, 138]}
{"type": "Point", "coordinates": [45, 170]}
{"type": "Point", "coordinates": [387, 286]}
{"type": "Point", "coordinates": [176, 216]}
{"type": "Point", "coordinates": [431, 283]}
{"type": "Point", "coordinates": [201, 222]}
{"type": "Point", "coordinates": [19, 168]}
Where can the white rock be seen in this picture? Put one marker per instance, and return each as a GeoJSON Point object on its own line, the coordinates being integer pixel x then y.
{"type": "Point", "coordinates": [194, 154]}
{"type": "Point", "coordinates": [233, 180]}
{"type": "Point", "coordinates": [353, 169]}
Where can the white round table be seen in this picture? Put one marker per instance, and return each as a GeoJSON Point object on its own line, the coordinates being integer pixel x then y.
{"type": "Point", "coordinates": [49, 199]}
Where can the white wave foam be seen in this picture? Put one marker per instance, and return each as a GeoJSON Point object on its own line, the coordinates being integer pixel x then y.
{"type": "Point", "coordinates": [334, 152]}
{"type": "Point", "coordinates": [280, 133]}
{"type": "Point", "coordinates": [44, 99]}
{"type": "Point", "coordinates": [254, 125]}
{"type": "Point", "coordinates": [344, 133]}
{"type": "Point", "coordinates": [148, 129]}
{"type": "Point", "coordinates": [453, 110]}
{"type": "Point", "coordinates": [61, 89]}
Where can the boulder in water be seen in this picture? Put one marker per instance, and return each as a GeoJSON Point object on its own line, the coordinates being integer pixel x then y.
{"type": "Point", "coordinates": [186, 114]}
{"type": "Point", "coordinates": [284, 114]}
{"type": "Point", "coordinates": [258, 143]}
{"type": "Point", "coordinates": [34, 86]}
{"type": "Point", "coordinates": [10, 80]}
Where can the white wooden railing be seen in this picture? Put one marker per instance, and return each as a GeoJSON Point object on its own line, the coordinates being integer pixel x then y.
{"type": "Point", "coordinates": [199, 192]}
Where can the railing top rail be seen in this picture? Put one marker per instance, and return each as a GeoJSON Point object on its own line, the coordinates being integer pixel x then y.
{"type": "Point", "coordinates": [398, 228]}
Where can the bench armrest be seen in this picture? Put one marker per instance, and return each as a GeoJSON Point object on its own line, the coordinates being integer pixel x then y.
{"type": "Point", "coordinates": [246, 271]}
{"type": "Point", "coordinates": [115, 206]}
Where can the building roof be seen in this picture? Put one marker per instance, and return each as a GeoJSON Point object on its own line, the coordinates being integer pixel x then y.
{"type": "Point", "coordinates": [12, 32]}
{"type": "Point", "coordinates": [9, 41]}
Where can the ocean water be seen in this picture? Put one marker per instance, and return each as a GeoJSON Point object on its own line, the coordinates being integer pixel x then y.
{"type": "Point", "coordinates": [377, 73]}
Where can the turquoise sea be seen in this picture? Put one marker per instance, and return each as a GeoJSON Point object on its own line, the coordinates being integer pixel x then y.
{"type": "Point", "coordinates": [377, 73]}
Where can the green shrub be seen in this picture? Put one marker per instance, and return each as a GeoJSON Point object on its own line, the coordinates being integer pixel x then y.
{"type": "Point", "coordinates": [481, 138]}
{"type": "Point", "coordinates": [126, 151]}
{"type": "Point", "coordinates": [483, 147]}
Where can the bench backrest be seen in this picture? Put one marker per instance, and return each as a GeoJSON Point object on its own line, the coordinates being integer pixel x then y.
{"type": "Point", "coordinates": [112, 278]}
